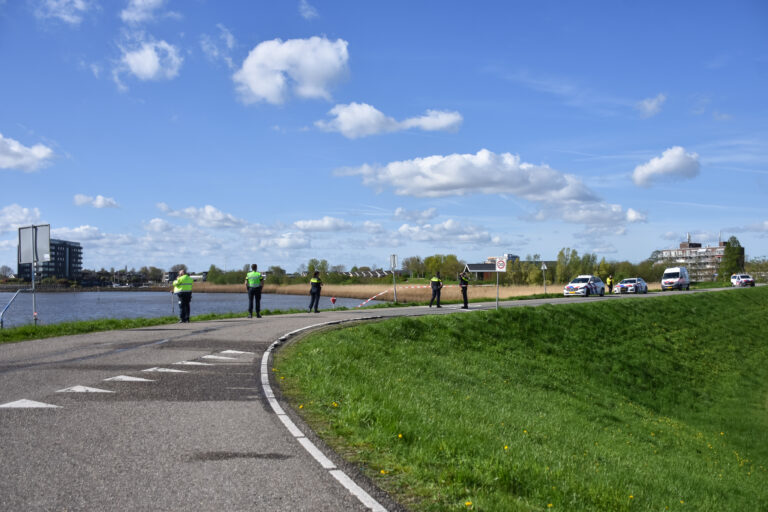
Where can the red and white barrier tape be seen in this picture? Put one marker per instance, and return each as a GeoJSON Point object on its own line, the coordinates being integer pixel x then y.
{"type": "Point", "coordinates": [369, 300]}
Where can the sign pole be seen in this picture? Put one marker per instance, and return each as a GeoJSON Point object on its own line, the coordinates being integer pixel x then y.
{"type": "Point", "coordinates": [544, 275]}
{"type": "Point", "coordinates": [34, 271]}
{"type": "Point", "coordinates": [497, 290]}
{"type": "Point", "coordinates": [393, 265]}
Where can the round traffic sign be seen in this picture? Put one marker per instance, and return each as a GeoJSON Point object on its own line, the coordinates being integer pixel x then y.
{"type": "Point", "coordinates": [501, 264]}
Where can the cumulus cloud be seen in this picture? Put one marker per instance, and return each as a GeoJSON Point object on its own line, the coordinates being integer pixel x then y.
{"type": "Point", "coordinates": [324, 224]}
{"type": "Point", "coordinates": [307, 11]}
{"type": "Point", "coordinates": [81, 234]}
{"type": "Point", "coordinates": [649, 107]}
{"type": "Point", "coordinates": [139, 11]}
{"type": "Point", "coordinates": [286, 241]}
{"type": "Point", "coordinates": [157, 225]}
{"type": "Point", "coordinates": [68, 11]}
{"type": "Point", "coordinates": [305, 67]}
{"type": "Point", "coordinates": [356, 120]}
{"type": "Point", "coordinates": [449, 231]}
{"type": "Point", "coordinates": [207, 217]}
{"type": "Point", "coordinates": [674, 163]}
{"type": "Point", "coordinates": [15, 155]}
{"type": "Point", "coordinates": [416, 216]}
{"type": "Point", "coordinates": [482, 173]}
{"type": "Point", "coordinates": [14, 216]}
{"type": "Point", "coordinates": [150, 60]}
{"type": "Point", "coordinates": [97, 202]}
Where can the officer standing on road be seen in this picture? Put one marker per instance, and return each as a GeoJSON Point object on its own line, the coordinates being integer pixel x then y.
{"type": "Point", "coordinates": [182, 287]}
{"type": "Point", "coordinates": [609, 282]}
{"type": "Point", "coordinates": [464, 284]}
{"type": "Point", "coordinates": [437, 284]}
{"type": "Point", "coordinates": [314, 291]}
{"type": "Point", "coordinates": [254, 283]}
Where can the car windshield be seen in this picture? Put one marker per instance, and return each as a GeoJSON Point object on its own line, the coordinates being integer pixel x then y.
{"type": "Point", "coordinates": [628, 281]}
{"type": "Point", "coordinates": [671, 275]}
{"type": "Point", "coordinates": [745, 276]}
{"type": "Point", "coordinates": [580, 280]}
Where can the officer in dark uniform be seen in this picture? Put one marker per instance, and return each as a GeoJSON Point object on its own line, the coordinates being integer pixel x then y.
{"type": "Point", "coordinates": [314, 291]}
{"type": "Point", "coordinates": [254, 283]}
{"type": "Point", "coordinates": [464, 284]}
{"type": "Point", "coordinates": [437, 284]}
{"type": "Point", "coordinates": [182, 287]}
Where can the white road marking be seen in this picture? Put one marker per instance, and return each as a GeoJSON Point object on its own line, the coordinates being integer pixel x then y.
{"type": "Point", "coordinates": [235, 352]}
{"type": "Point", "coordinates": [126, 378]}
{"type": "Point", "coordinates": [27, 404]}
{"type": "Point", "coordinates": [222, 358]}
{"type": "Point", "coordinates": [194, 363]}
{"type": "Point", "coordinates": [164, 370]}
{"type": "Point", "coordinates": [357, 491]}
{"type": "Point", "coordinates": [83, 389]}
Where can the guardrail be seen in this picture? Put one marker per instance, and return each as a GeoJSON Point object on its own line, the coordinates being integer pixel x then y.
{"type": "Point", "coordinates": [2, 313]}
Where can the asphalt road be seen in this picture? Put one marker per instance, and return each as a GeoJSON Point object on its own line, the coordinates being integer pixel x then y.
{"type": "Point", "coordinates": [201, 437]}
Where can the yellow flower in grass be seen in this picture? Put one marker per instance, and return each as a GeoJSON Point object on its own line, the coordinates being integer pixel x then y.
{"type": "Point", "coordinates": [549, 505]}
{"type": "Point", "coordinates": [467, 503]}
{"type": "Point", "coordinates": [506, 447]}
{"type": "Point", "coordinates": [335, 404]}
{"type": "Point", "coordinates": [631, 497]}
{"type": "Point", "coordinates": [399, 436]}
{"type": "Point", "coordinates": [301, 406]}
{"type": "Point", "coordinates": [383, 471]}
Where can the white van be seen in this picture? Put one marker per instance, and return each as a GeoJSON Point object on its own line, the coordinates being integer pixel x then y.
{"type": "Point", "coordinates": [675, 278]}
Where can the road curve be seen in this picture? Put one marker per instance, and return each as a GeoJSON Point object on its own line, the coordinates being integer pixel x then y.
{"type": "Point", "coordinates": [175, 417]}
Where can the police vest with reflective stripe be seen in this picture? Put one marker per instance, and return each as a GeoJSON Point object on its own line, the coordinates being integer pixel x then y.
{"type": "Point", "coordinates": [254, 279]}
{"type": "Point", "coordinates": [183, 284]}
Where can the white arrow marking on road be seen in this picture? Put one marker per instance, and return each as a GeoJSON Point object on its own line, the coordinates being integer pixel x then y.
{"type": "Point", "coordinates": [126, 378]}
{"type": "Point", "coordinates": [83, 389]}
{"type": "Point", "coordinates": [194, 363]}
{"type": "Point", "coordinates": [165, 370]}
{"type": "Point", "coordinates": [219, 357]}
{"type": "Point", "coordinates": [235, 352]}
{"type": "Point", "coordinates": [27, 404]}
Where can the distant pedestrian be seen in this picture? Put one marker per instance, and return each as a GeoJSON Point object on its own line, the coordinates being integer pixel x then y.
{"type": "Point", "coordinates": [437, 285]}
{"type": "Point", "coordinates": [314, 291]}
{"type": "Point", "coordinates": [254, 283]}
{"type": "Point", "coordinates": [182, 287]}
{"type": "Point", "coordinates": [609, 282]}
{"type": "Point", "coordinates": [464, 284]}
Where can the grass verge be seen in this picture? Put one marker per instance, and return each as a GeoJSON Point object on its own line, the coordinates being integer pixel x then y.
{"type": "Point", "coordinates": [615, 405]}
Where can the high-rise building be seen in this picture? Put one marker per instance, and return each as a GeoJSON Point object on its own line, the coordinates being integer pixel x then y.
{"type": "Point", "coordinates": [66, 262]}
{"type": "Point", "coordinates": [703, 262]}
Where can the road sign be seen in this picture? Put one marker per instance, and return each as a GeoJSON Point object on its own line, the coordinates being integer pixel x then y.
{"type": "Point", "coordinates": [543, 266]}
{"type": "Point", "coordinates": [501, 265]}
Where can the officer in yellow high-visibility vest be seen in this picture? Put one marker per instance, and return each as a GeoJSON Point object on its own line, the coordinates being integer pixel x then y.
{"type": "Point", "coordinates": [316, 285]}
{"type": "Point", "coordinates": [182, 287]}
{"type": "Point", "coordinates": [437, 285]}
{"type": "Point", "coordinates": [254, 283]}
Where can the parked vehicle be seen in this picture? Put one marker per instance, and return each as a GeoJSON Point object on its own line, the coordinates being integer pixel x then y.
{"type": "Point", "coordinates": [675, 278]}
{"type": "Point", "coordinates": [742, 280]}
{"type": "Point", "coordinates": [585, 285]}
{"type": "Point", "coordinates": [631, 285]}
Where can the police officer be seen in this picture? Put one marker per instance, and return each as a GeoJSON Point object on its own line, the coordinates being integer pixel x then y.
{"type": "Point", "coordinates": [254, 283]}
{"type": "Point", "coordinates": [437, 284]}
{"type": "Point", "coordinates": [464, 284]}
{"type": "Point", "coordinates": [609, 282]}
{"type": "Point", "coordinates": [182, 287]}
{"type": "Point", "coordinates": [314, 291]}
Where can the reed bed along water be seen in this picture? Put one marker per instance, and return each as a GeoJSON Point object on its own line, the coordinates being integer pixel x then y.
{"type": "Point", "coordinates": [405, 292]}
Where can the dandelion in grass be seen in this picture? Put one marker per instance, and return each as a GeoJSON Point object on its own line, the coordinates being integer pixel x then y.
{"type": "Point", "coordinates": [383, 471]}
{"type": "Point", "coordinates": [467, 503]}
{"type": "Point", "coordinates": [399, 436]}
{"type": "Point", "coordinates": [506, 447]}
{"type": "Point", "coordinates": [549, 505]}
{"type": "Point", "coordinates": [301, 406]}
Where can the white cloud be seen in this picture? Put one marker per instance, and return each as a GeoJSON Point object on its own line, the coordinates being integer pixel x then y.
{"type": "Point", "coordinates": [207, 217]}
{"type": "Point", "coordinates": [13, 216]}
{"type": "Point", "coordinates": [139, 11]}
{"type": "Point", "coordinates": [97, 202]}
{"type": "Point", "coordinates": [482, 173]}
{"type": "Point", "coordinates": [81, 234]}
{"type": "Point", "coordinates": [286, 241]}
{"type": "Point", "coordinates": [14, 155]}
{"type": "Point", "coordinates": [324, 224]}
{"type": "Point", "coordinates": [355, 120]}
{"type": "Point", "coordinates": [307, 11]}
{"type": "Point", "coordinates": [674, 163]}
{"type": "Point", "coordinates": [414, 215]}
{"type": "Point", "coordinates": [214, 51]}
{"type": "Point", "coordinates": [592, 214]}
{"type": "Point", "coordinates": [151, 60]}
{"type": "Point", "coordinates": [636, 216]}
{"type": "Point", "coordinates": [449, 231]}
{"type": "Point", "coordinates": [307, 67]}
{"type": "Point", "coordinates": [68, 11]}
{"type": "Point", "coordinates": [649, 107]}
{"type": "Point", "coordinates": [157, 225]}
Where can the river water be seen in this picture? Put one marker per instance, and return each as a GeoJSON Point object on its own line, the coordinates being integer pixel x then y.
{"type": "Point", "coordinates": [73, 306]}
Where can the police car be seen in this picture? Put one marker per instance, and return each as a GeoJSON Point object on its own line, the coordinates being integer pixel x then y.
{"type": "Point", "coordinates": [631, 285]}
{"type": "Point", "coordinates": [585, 285]}
{"type": "Point", "coordinates": [742, 280]}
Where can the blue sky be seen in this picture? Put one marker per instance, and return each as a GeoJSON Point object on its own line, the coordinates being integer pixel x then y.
{"type": "Point", "coordinates": [157, 132]}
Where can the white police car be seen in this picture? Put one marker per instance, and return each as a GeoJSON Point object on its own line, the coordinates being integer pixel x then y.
{"type": "Point", "coordinates": [631, 285]}
{"type": "Point", "coordinates": [585, 285]}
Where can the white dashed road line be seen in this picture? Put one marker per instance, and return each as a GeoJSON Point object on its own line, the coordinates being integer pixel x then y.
{"type": "Point", "coordinates": [357, 491]}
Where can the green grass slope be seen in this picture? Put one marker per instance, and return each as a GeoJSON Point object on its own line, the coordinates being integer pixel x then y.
{"type": "Point", "coordinates": [657, 404]}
